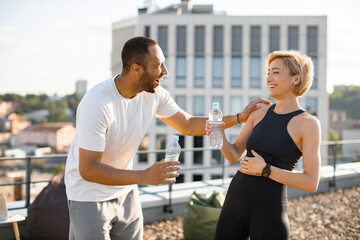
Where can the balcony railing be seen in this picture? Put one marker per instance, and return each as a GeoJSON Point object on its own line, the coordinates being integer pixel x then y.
{"type": "Point", "coordinates": [331, 157]}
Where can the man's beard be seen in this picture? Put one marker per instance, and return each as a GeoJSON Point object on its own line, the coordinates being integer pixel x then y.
{"type": "Point", "coordinates": [146, 82]}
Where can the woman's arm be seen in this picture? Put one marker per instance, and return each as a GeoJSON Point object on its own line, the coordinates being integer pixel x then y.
{"type": "Point", "coordinates": [308, 180]}
{"type": "Point", "coordinates": [233, 151]}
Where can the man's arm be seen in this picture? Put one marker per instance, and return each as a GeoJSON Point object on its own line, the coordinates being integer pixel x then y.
{"type": "Point", "coordinates": [92, 170]}
{"type": "Point", "coordinates": [194, 125]}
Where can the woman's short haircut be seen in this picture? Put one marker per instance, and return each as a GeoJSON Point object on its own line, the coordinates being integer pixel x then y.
{"type": "Point", "coordinates": [136, 51]}
{"type": "Point", "coordinates": [296, 63]}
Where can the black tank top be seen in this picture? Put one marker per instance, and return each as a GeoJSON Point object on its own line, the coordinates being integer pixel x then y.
{"type": "Point", "coordinates": [271, 139]}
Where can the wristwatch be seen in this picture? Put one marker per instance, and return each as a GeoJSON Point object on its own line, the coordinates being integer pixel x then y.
{"type": "Point", "coordinates": [266, 170]}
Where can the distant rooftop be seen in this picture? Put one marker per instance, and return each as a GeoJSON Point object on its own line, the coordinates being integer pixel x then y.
{"type": "Point", "coordinates": [185, 7]}
{"type": "Point", "coordinates": [49, 127]}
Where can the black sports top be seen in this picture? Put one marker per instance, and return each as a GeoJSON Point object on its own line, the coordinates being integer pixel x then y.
{"type": "Point", "coordinates": [271, 139]}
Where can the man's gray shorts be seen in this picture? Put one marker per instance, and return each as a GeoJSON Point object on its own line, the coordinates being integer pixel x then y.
{"type": "Point", "coordinates": [119, 218]}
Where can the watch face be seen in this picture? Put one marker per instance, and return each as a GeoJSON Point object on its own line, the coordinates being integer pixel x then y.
{"type": "Point", "coordinates": [266, 171]}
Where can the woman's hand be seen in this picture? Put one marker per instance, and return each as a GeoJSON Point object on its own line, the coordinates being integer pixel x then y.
{"type": "Point", "coordinates": [253, 165]}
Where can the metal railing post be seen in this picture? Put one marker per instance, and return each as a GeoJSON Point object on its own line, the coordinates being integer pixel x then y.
{"type": "Point", "coordinates": [222, 169]}
{"type": "Point", "coordinates": [27, 181]}
{"type": "Point", "coordinates": [332, 183]}
{"type": "Point", "coordinates": [168, 208]}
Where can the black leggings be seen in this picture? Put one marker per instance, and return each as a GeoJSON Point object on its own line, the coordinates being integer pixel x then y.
{"type": "Point", "coordinates": [241, 217]}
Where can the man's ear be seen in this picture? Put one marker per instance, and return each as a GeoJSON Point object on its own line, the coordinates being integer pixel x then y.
{"type": "Point", "coordinates": [137, 69]}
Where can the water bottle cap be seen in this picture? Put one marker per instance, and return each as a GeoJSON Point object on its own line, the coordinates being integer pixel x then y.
{"type": "Point", "coordinates": [215, 104]}
{"type": "Point", "coordinates": [175, 137]}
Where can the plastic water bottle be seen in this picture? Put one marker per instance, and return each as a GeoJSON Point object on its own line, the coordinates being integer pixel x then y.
{"type": "Point", "coordinates": [215, 117]}
{"type": "Point", "coordinates": [173, 150]}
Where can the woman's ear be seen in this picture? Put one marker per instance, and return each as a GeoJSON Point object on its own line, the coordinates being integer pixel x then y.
{"type": "Point", "coordinates": [297, 79]}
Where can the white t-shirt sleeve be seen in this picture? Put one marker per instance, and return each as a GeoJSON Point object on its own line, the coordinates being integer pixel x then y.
{"type": "Point", "coordinates": [92, 124]}
{"type": "Point", "coordinates": [167, 106]}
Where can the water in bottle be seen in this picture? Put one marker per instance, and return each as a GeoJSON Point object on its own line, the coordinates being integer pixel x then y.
{"type": "Point", "coordinates": [215, 117]}
{"type": "Point", "coordinates": [173, 150]}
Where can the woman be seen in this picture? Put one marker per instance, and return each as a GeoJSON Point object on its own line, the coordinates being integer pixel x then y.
{"type": "Point", "coordinates": [275, 137]}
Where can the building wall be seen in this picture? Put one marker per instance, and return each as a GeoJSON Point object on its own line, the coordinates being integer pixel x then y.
{"type": "Point", "coordinates": [351, 149]}
{"type": "Point", "coordinates": [60, 139]}
{"type": "Point", "coordinates": [316, 98]}
{"type": "Point", "coordinates": [64, 138]}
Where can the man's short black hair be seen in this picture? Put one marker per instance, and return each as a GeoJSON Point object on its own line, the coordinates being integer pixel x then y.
{"type": "Point", "coordinates": [136, 51]}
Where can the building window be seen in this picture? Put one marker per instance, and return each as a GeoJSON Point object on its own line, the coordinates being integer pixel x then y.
{"type": "Point", "coordinates": [236, 72]}
{"type": "Point", "coordinates": [255, 40]}
{"type": "Point", "coordinates": [312, 40]}
{"type": "Point", "coordinates": [198, 155]}
{"type": "Point", "coordinates": [181, 101]}
{"type": "Point", "coordinates": [182, 145]}
{"type": "Point", "coordinates": [181, 56]}
{"type": "Point", "coordinates": [255, 62]}
{"type": "Point", "coordinates": [316, 70]}
{"type": "Point", "coordinates": [215, 176]}
{"type": "Point", "coordinates": [218, 69]}
{"type": "Point", "coordinates": [180, 71]}
{"type": "Point", "coordinates": [255, 72]}
{"type": "Point", "coordinates": [199, 40]}
{"type": "Point", "coordinates": [236, 40]}
{"type": "Point", "coordinates": [293, 37]}
{"type": "Point", "coordinates": [198, 106]}
{"type": "Point", "coordinates": [312, 50]}
{"type": "Point", "coordinates": [181, 40]}
{"type": "Point", "coordinates": [218, 46]}
{"type": "Point", "coordinates": [236, 60]}
{"type": "Point", "coordinates": [312, 105]}
{"type": "Point", "coordinates": [197, 177]}
{"type": "Point", "coordinates": [236, 104]}
{"type": "Point", "coordinates": [274, 38]}
{"type": "Point", "coordinates": [163, 39]}
{"type": "Point", "coordinates": [218, 59]}
{"type": "Point", "coordinates": [147, 31]}
{"type": "Point", "coordinates": [215, 157]}
{"type": "Point", "coordinates": [199, 70]}
{"type": "Point", "coordinates": [160, 144]}
{"type": "Point", "coordinates": [144, 145]}
{"type": "Point", "coordinates": [180, 179]}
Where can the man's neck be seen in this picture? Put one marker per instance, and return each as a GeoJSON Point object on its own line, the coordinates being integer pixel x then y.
{"type": "Point", "coordinates": [125, 87]}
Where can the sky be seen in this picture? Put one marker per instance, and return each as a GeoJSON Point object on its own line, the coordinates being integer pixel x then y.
{"type": "Point", "coordinates": [46, 46]}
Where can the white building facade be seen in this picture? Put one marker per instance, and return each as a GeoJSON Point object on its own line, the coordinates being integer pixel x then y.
{"type": "Point", "coordinates": [215, 57]}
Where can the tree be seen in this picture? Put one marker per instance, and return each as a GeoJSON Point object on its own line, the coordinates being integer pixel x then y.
{"type": "Point", "coordinates": [346, 99]}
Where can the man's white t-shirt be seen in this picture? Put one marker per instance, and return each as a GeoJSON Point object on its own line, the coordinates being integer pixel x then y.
{"type": "Point", "coordinates": [109, 123]}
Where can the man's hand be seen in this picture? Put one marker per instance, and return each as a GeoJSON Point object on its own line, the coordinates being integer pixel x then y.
{"type": "Point", "coordinates": [161, 173]}
{"type": "Point", "coordinates": [253, 105]}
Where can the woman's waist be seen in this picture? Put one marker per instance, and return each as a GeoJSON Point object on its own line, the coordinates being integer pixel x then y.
{"type": "Point", "coordinates": [283, 162]}
{"type": "Point", "coordinates": [257, 188]}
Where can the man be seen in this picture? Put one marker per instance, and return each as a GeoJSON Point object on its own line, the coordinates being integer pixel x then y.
{"type": "Point", "coordinates": [112, 119]}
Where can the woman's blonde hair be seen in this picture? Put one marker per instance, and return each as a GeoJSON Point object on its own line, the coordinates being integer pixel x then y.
{"type": "Point", "coordinates": [296, 63]}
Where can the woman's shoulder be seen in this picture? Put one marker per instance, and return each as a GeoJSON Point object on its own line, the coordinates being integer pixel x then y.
{"type": "Point", "coordinates": [307, 121]}
{"type": "Point", "coordinates": [259, 113]}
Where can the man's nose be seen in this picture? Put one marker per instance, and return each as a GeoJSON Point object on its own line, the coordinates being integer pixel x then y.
{"type": "Point", "coordinates": [164, 70]}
